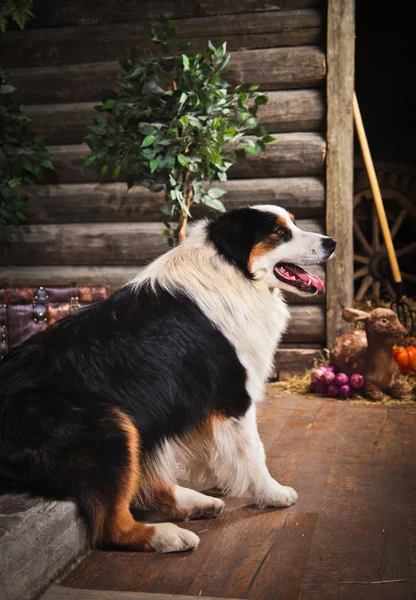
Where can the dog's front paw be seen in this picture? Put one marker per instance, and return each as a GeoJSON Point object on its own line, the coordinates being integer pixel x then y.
{"type": "Point", "coordinates": [170, 538]}
{"type": "Point", "coordinates": [278, 496]}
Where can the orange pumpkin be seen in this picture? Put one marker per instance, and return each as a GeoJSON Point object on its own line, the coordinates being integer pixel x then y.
{"type": "Point", "coordinates": [405, 356]}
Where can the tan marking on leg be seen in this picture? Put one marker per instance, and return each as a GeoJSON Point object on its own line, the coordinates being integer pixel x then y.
{"type": "Point", "coordinates": [120, 528]}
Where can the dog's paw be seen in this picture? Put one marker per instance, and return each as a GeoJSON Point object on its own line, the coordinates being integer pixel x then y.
{"type": "Point", "coordinates": [279, 496]}
{"type": "Point", "coordinates": [171, 538]}
{"type": "Point", "coordinates": [211, 509]}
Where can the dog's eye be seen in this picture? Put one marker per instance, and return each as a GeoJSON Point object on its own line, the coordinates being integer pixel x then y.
{"type": "Point", "coordinates": [280, 231]}
{"type": "Point", "coordinates": [384, 320]}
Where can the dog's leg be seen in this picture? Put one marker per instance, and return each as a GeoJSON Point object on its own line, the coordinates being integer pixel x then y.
{"type": "Point", "coordinates": [110, 489]}
{"type": "Point", "coordinates": [238, 462]}
{"type": "Point", "coordinates": [179, 502]}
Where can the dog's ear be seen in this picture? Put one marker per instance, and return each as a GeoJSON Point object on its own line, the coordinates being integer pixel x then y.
{"type": "Point", "coordinates": [234, 235]}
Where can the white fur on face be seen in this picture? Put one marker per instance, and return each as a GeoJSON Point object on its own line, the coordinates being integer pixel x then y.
{"type": "Point", "coordinates": [305, 248]}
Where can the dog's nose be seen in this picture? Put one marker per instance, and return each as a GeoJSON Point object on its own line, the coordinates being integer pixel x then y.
{"type": "Point", "coordinates": [329, 243]}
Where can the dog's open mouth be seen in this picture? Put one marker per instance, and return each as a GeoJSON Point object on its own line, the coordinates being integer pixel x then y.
{"type": "Point", "coordinates": [298, 278]}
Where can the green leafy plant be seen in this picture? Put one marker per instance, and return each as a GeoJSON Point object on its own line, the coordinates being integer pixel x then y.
{"type": "Point", "coordinates": [23, 156]}
{"type": "Point", "coordinates": [176, 125]}
{"type": "Point", "coordinates": [18, 11]}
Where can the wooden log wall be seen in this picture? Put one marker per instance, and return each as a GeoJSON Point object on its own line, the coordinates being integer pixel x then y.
{"type": "Point", "coordinates": [84, 229]}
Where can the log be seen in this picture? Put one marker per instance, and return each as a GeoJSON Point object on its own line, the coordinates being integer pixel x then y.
{"type": "Point", "coordinates": [90, 243]}
{"type": "Point", "coordinates": [115, 276]}
{"type": "Point", "coordinates": [113, 202]}
{"type": "Point", "coordinates": [339, 171]}
{"type": "Point", "coordinates": [295, 360]}
{"type": "Point", "coordinates": [307, 324]}
{"type": "Point", "coordinates": [292, 154]}
{"type": "Point", "coordinates": [274, 69]}
{"type": "Point", "coordinates": [50, 13]}
{"type": "Point", "coordinates": [286, 112]}
{"type": "Point", "coordinates": [97, 43]}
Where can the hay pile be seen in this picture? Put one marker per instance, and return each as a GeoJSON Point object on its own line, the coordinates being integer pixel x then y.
{"type": "Point", "coordinates": [300, 385]}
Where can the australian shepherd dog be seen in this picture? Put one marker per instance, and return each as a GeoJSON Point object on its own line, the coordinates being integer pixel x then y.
{"type": "Point", "coordinates": [114, 405]}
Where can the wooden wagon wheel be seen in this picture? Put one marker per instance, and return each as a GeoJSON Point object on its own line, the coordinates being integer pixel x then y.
{"type": "Point", "coordinates": [371, 264]}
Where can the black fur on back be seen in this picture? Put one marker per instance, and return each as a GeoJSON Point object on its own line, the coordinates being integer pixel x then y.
{"type": "Point", "coordinates": [156, 357]}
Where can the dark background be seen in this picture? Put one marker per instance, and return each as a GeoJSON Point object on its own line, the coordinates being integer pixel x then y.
{"type": "Point", "coordinates": [386, 78]}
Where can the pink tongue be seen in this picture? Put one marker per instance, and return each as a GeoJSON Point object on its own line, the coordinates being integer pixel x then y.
{"type": "Point", "coordinates": [303, 276]}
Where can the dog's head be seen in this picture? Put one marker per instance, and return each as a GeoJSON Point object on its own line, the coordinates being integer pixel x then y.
{"type": "Point", "coordinates": [265, 243]}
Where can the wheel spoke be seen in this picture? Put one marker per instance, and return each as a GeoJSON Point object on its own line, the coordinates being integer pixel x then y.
{"type": "Point", "coordinates": [365, 284]}
{"type": "Point", "coordinates": [376, 290]}
{"type": "Point", "coordinates": [361, 259]}
{"type": "Point", "coordinates": [361, 237]}
{"type": "Point", "coordinates": [406, 249]}
{"type": "Point", "coordinates": [397, 223]}
{"type": "Point", "coordinates": [376, 230]}
{"type": "Point", "coordinates": [361, 272]}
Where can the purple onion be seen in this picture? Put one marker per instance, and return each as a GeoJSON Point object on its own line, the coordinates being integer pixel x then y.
{"type": "Point", "coordinates": [317, 374]}
{"type": "Point", "coordinates": [331, 368]}
{"type": "Point", "coordinates": [356, 381]}
{"type": "Point", "coordinates": [345, 391]}
{"type": "Point", "coordinates": [341, 379]}
{"type": "Point", "coordinates": [328, 377]}
{"type": "Point", "coordinates": [333, 391]}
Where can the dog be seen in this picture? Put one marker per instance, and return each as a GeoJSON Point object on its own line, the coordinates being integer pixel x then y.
{"type": "Point", "coordinates": [111, 406]}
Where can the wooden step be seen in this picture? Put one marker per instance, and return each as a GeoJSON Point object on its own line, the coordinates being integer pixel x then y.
{"type": "Point", "coordinates": [50, 13]}
{"type": "Point", "coordinates": [97, 43]}
{"type": "Point", "coordinates": [113, 202]}
{"type": "Point", "coordinates": [286, 111]}
{"type": "Point", "coordinates": [275, 69]}
{"type": "Point", "coordinates": [91, 243]}
{"type": "Point", "coordinates": [292, 154]}
{"type": "Point", "coordinates": [114, 276]}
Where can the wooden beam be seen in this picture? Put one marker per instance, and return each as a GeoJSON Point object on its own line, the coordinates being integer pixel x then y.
{"type": "Point", "coordinates": [113, 202]}
{"type": "Point", "coordinates": [339, 166]}
{"type": "Point", "coordinates": [50, 13]}
{"type": "Point", "coordinates": [115, 276]}
{"type": "Point", "coordinates": [91, 243]}
{"type": "Point", "coordinates": [292, 154]}
{"type": "Point", "coordinates": [60, 592]}
{"type": "Point", "coordinates": [286, 112]}
{"type": "Point", "coordinates": [273, 68]}
{"type": "Point", "coordinates": [295, 360]}
{"type": "Point", "coordinates": [97, 43]}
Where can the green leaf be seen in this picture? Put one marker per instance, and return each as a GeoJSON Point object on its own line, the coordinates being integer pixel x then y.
{"type": "Point", "coordinates": [15, 182]}
{"type": "Point", "coordinates": [90, 160]}
{"type": "Point", "coordinates": [26, 163]}
{"type": "Point", "coordinates": [268, 138]}
{"type": "Point", "coordinates": [185, 62]}
{"type": "Point", "coordinates": [108, 104]}
{"type": "Point", "coordinates": [116, 172]}
{"type": "Point", "coordinates": [104, 170]}
{"type": "Point", "coordinates": [182, 160]}
{"type": "Point", "coordinates": [216, 192]}
{"type": "Point", "coordinates": [148, 141]}
{"type": "Point", "coordinates": [263, 99]}
{"type": "Point", "coordinates": [154, 163]}
{"type": "Point", "coordinates": [251, 149]}
{"type": "Point", "coordinates": [21, 215]}
{"type": "Point", "coordinates": [213, 203]}
{"type": "Point", "coordinates": [47, 164]}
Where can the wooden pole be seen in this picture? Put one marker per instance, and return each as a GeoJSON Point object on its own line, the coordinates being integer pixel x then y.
{"type": "Point", "coordinates": [339, 164]}
{"type": "Point", "coordinates": [375, 189]}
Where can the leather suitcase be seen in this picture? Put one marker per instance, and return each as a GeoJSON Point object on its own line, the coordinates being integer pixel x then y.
{"type": "Point", "coordinates": [27, 310]}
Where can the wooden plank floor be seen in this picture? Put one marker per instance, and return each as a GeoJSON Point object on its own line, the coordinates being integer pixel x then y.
{"type": "Point", "coordinates": [354, 467]}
